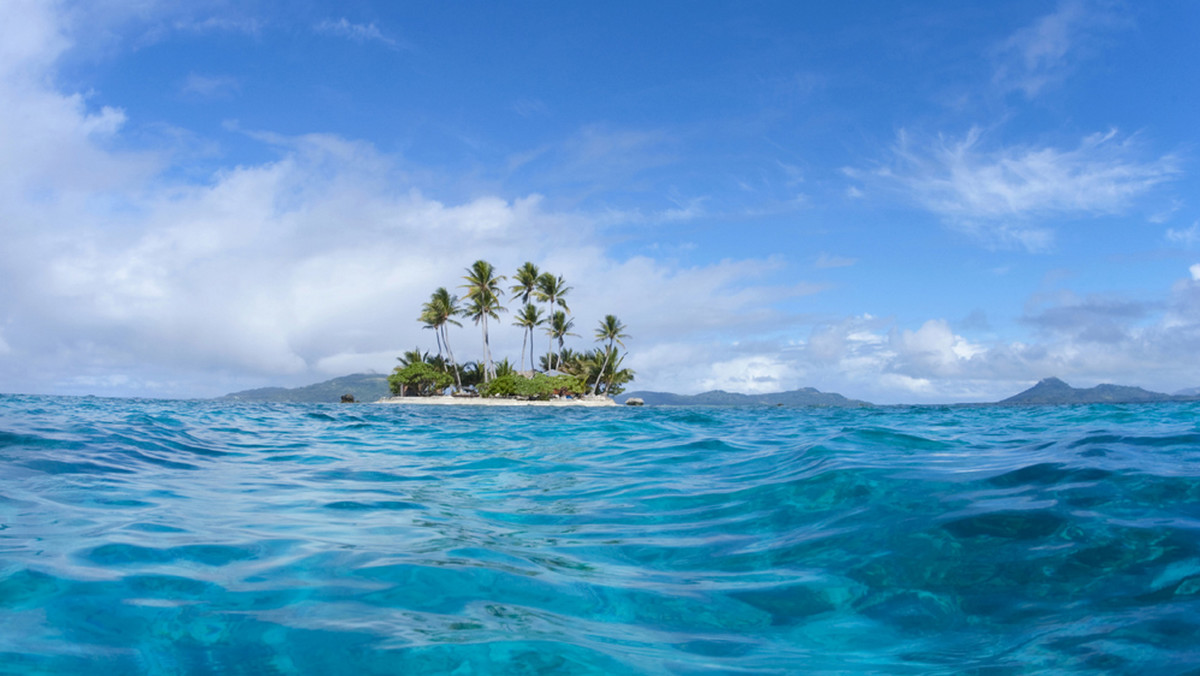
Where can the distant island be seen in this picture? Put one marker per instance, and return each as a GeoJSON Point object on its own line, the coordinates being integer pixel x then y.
{"type": "Point", "coordinates": [372, 387]}
{"type": "Point", "coordinates": [361, 386]}
{"type": "Point", "coordinates": [802, 397]}
{"type": "Point", "coordinates": [1055, 391]}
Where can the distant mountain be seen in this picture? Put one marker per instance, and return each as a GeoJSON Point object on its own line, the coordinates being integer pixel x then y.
{"type": "Point", "coordinates": [804, 397]}
{"type": "Point", "coordinates": [1055, 391]}
{"type": "Point", "coordinates": [1189, 392]}
{"type": "Point", "coordinates": [364, 387]}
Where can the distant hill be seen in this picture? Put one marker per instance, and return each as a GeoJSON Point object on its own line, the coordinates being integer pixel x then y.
{"type": "Point", "coordinates": [364, 387]}
{"type": "Point", "coordinates": [803, 397]}
{"type": "Point", "coordinates": [1055, 391]}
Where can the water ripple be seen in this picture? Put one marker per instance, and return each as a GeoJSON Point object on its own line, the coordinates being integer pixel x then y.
{"type": "Point", "coordinates": [169, 537]}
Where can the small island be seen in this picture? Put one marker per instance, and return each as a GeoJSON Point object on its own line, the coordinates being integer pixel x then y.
{"type": "Point", "coordinates": [562, 377]}
{"type": "Point", "coordinates": [450, 400]}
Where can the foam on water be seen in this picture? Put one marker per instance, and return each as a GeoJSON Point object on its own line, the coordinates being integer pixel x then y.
{"type": "Point", "coordinates": [195, 537]}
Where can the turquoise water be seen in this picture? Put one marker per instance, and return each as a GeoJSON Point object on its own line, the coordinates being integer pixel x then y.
{"type": "Point", "coordinates": [165, 537]}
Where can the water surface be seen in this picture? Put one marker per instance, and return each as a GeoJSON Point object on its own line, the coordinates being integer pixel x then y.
{"type": "Point", "coordinates": [165, 537]}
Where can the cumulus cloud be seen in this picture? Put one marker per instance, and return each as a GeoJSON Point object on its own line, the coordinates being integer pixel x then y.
{"type": "Point", "coordinates": [1003, 194]}
{"type": "Point", "coordinates": [932, 349]}
{"type": "Point", "coordinates": [757, 374]}
{"type": "Point", "coordinates": [1083, 339]}
{"type": "Point", "coordinates": [122, 280]}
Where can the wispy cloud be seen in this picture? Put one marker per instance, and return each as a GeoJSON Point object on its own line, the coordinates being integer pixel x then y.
{"type": "Point", "coordinates": [1186, 238]}
{"type": "Point", "coordinates": [1095, 318]}
{"type": "Point", "coordinates": [230, 24]}
{"type": "Point", "coordinates": [827, 261]}
{"type": "Point", "coordinates": [209, 87]}
{"type": "Point", "coordinates": [530, 108]}
{"type": "Point", "coordinates": [595, 159]}
{"type": "Point", "coordinates": [1002, 194]}
{"type": "Point", "coordinates": [1046, 52]}
{"type": "Point", "coordinates": [358, 32]}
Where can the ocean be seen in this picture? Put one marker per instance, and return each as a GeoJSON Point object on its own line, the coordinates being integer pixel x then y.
{"type": "Point", "coordinates": [194, 537]}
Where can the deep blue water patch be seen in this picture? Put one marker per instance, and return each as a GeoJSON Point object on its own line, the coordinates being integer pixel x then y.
{"type": "Point", "coordinates": [162, 537]}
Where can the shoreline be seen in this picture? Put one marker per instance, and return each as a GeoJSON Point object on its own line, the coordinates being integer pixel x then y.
{"type": "Point", "coordinates": [443, 400]}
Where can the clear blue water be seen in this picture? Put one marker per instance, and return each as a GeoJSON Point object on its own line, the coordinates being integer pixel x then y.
{"type": "Point", "coordinates": [164, 537]}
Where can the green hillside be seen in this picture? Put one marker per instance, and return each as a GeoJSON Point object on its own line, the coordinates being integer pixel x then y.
{"type": "Point", "coordinates": [1055, 391]}
{"type": "Point", "coordinates": [364, 386]}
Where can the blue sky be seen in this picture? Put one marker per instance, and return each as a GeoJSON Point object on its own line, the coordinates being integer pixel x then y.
{"type": "Point", "coordinates": [900, 202]}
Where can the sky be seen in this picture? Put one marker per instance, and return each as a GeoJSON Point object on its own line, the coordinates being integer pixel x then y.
{"type": "Point", "coordinates": [900, 202]}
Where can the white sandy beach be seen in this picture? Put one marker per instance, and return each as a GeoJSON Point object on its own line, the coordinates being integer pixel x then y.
{"type": "Point", "coordinates": [481, 401]}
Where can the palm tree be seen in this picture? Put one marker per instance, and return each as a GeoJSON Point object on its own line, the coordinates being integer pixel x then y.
{"type": "Point", "coordinates": [560, 327]}
{"type": "Point", "coordinates": [526, 282]}
{"type": "Point", "coordinates": [582, 365]}
{"type": "Point", "coordinates": [526, 286]}
{"type": "Point", "coordinates": [483, 293]}
{"type": "Point", "coordinates": [437, 313]}
{"type": "Point", "coordinates": [413, 356]}
{"type": "Point", "coordinates": [612, 330]}
{"type": "Point", "coordinates": [430, 320]}
{"type": "Point", "coordinates": [617, 376]}
{"type": "Point", "coordinates": [529, 318]}
{"type": "Point", "coordinates": [550, 290]}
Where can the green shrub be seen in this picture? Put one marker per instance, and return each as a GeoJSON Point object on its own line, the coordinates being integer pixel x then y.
{"type": "Point", "coordinates": [540, 386]}
{"type": "Point", "coordinates": [421, 378]}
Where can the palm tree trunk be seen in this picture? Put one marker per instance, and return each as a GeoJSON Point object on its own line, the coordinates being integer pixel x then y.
{"type": "Point", "coordinates": [603, 366]}
{"type": "Point", "coordinates": [450, 353]}
{"type": "Point", "coordinates": [489, 371]}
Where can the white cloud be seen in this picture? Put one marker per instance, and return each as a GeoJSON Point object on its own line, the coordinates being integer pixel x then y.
{"type": "Point", "coordinates": [1185, 238]}
{"type": "Point", "coordinates": [758, 374]}
{"type": "Point", "coordinates": [119, 279]}
{"type": "Point", "coordinates": [932, 349]}
{"type": "Point", "coordinates": [125, 282]}
{"type": "Point", "coordinates": [1003, 194]}
{"type": "Point", "coordinates": [231, 24]}
{"type": "Point", "coordinates": [1085, 340]}
{"type": "Point", "coordinates": [1046, 52]}
{"type": "Point", "coordinates": [30, 39]}
{"type": "Point", "coordinates": [530, 108]}
{"type": "Point", "coordinates": [827, 261]}
{"type": "Point", "coordinates": [209, 87]}
{"type": "Point", "coordinates": [357, 32]}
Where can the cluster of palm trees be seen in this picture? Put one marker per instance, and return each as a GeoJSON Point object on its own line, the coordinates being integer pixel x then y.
{"type": "Point", "coordinates": [530, 287]}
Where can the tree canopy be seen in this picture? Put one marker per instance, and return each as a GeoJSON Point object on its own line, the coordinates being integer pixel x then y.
{"type": "Point", "coordinates": [542, 300]}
